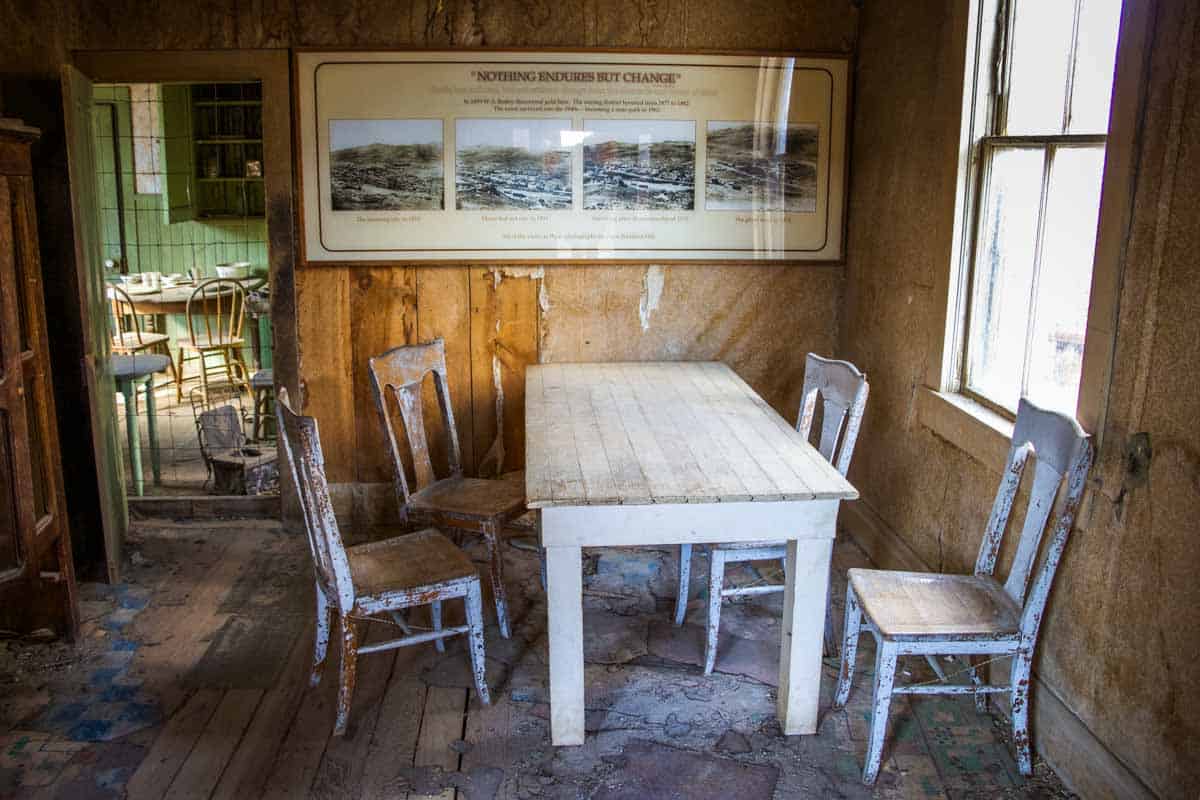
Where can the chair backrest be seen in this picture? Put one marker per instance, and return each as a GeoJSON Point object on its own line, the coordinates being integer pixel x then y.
{"type": "Point", "coordinates": [220, 429]}
{"type": "Point", "coordinates": [301, 444]}
{"type": "Point", "coordinates": [1063, 453]}
{"type": "Point", "coordinates": [215, 310]}
{"type": "Point", "coordinates": [843, 390]}
{"type": "Point", "coordinates": [124, 319]}
{"type": "Point", "coordinates": [399, 374]}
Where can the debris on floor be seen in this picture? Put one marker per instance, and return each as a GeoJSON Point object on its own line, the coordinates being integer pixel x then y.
{"type": "Point", "coordinates": [194, 675]}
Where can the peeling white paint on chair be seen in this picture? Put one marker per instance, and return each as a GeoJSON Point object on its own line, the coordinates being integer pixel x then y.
{"type": "Point", "coordinates": [358, 584]}
{"type": "Point", "coordinates": [969, 616]}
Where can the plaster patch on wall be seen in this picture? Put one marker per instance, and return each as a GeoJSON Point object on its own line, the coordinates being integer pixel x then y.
{"type": "Point", "coordinates": [652, 288]}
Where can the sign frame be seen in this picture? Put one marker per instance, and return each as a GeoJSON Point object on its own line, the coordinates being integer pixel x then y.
{"type": "Point", "coordinates": [607, 204]}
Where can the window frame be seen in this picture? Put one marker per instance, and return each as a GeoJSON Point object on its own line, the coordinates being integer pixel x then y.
{"type": "Point", "coordinates": [983, 429]}
{"type": "Point", "coordinates": [984, 145]}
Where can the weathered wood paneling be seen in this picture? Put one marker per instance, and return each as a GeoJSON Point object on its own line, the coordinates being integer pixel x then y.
{"type": "Point", "coordinates": [444, 309]}
{"type": "Point", "coordinates": [383, 311]}
{"type": "Point", "coordinates": [327, 364]}
{"type": "Point", "coordinates": [504, 339]}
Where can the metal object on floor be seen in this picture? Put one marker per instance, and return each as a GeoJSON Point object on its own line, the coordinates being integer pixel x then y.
{"type": "Point", "coordinates": [130, 372]}
{"type": "Point", "coordinates": [843, 390]}
{"type": "Point", "coordinates": [973, 616]}
{"type": "Point", "coordinates": [355, 584]}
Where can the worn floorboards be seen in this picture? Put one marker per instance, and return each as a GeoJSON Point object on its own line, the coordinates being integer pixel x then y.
{"type": "Point", "coordinates": [191, 681]}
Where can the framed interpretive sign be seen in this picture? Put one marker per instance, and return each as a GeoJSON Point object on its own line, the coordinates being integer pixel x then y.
{"type": "Point", "coordinates": [519, 156]}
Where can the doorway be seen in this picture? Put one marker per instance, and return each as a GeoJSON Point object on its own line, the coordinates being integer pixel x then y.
{"type": "Point", "coordinates": [179, 176]}
{"type": "Point", "coordinates": [181, 184]}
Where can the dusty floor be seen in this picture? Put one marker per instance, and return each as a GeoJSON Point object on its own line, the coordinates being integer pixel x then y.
{"type": "Point", "coordinates": [190, 681]}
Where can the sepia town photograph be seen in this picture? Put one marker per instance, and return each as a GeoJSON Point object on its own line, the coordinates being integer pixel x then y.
{"type": "Point", "coordinates": [386, 164]}
{"type": "Point", "coordinates": [512, 164]}
{"type": "Point", "coordinates": [639, 164]}
{"type": "Point", "coordinates": [761, 166]}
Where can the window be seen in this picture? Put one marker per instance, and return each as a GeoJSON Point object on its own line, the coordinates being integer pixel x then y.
{"type": "Point", "coordinates": [1043, 84]}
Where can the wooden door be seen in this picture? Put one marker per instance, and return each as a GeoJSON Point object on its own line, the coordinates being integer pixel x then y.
{"type": "Point", "coordinates": [37, 577]}
{"type": "Point", "coordinates": [89, 264]}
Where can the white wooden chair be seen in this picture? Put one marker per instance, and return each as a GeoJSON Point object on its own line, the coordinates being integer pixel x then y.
{"type": "Point", "coordinates": [474, 505]}
{"type": "Point", "coordinates": [843, 390]}
{"type": "Point", "coordinates": [357, 584]}
{"type": "Point", "coordinates": [971, 616]}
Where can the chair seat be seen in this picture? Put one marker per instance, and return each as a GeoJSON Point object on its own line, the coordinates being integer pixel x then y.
{"type": "Point", "coordinates": [473, 498]}
{"type": "Point", "coordinates": [208, 343]}
{"type": "Point", "coordinates": [406, 562]}
{"type": "Point", "coordinates": [132, 340]}
{"type": "Point", "coordinates": [915, 605]}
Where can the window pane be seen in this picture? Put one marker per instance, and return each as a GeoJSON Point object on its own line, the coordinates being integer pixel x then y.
{"type": "Point", "coordinates": [1003, 281]}
{"type": "Point", "coordinates": [1041, 50]}
{"type": "Point", "coordinates": [1065, 278]}
{"type": "Point", "coordinates": [1094, 57]}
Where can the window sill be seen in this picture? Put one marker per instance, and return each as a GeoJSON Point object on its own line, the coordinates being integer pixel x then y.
{"type": "Point", "coordinates": [971, 427]}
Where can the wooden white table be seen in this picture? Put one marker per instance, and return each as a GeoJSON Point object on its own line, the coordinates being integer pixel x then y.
{"type": "Point", "coordinates": [673, 453]}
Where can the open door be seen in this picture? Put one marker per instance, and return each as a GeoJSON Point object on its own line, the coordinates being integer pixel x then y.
{"type": "Point", "coordinates": [37, 576]}
{"type": "Point", "coordinates": [89, 263]}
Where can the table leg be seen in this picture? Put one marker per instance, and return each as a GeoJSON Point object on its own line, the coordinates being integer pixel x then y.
{"type": "Point", "coordinates": [564, 600]}
{"type": "Point", "coordinates": [129, 391]}
{"type": "Point", "coordinates": [803, 634]}
{"type": "Point", "coordinates": [152, 431]}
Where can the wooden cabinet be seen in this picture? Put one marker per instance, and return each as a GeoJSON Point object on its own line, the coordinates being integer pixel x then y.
{"type": "Point", "coordinates": [37, 578]}
{"type": "Point", "coordinates": [212, 153]}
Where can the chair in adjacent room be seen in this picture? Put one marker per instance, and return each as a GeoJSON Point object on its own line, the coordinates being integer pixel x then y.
{"type": "Point", "coordinates": [474, 505]}
{"type": "Point", "coordinates": [374, 582]}
{"type": "Point", "coordinates": [216, 311]}
{"type": "Point", "coordinates": [129, 339]}
{"type": "Point", "coordinates": [972, 617]}
{"type": "Point", "coordinates": [843, 389]}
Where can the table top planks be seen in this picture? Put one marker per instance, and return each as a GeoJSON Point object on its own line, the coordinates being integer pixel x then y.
{"type": "Point", "coordinates": [662, 432]}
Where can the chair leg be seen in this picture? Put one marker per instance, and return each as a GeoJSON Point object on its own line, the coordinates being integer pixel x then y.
{"type": "Point", "coordinates": [716, 581]}
{"type": "Point", "coordinates": [435, 615]}
{"type": "Point", "coordinates": [1021, 664]}
{"type": "Point", "coordinates": [830, 645]}
{"type": "Point", "coordinates": [179, 377]}
{"type": "Point", "coordinates": [204, 376]}
{"type": "Point", "coordinates": [496, 562]}
{"type": "Point", "coordinates": [349, 669]}
{"type": "Point", "coordinates": [849, 648]}
{"type": "Point", "coordinates": [885, 677]}
{"type": "Point", "coordinates": [321, 643]}
{"type": "Point", "coordinates": [474, 602]}
{"type": "Point", "coordinates": [981, 698]}
{"type": "Point", "coordinates": [685, 576]}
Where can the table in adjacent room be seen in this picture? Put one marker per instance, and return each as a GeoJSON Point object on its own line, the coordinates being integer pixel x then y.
{"type": "Point", "coordinates": [671, 453]}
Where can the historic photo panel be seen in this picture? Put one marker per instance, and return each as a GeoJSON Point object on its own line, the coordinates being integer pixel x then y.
{"type": "Point", "coordinates": [386, 164]}
{"type": "Point", "coordinates": [761, 166]}
{"type": "Point", "coordinates": [512, 164]}
{"type": "Point", "coordinates": [639, 164]}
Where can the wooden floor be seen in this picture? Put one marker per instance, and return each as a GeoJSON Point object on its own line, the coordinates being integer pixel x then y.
{"type": "Point", "coordinates": [191, 682]}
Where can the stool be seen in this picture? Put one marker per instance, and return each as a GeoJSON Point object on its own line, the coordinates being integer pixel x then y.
{"type": "Point", "coordinates": [130, 371]}
{"type": "Point", "coordinates": [262, 384]}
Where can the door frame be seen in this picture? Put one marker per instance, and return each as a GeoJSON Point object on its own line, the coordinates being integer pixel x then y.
{"type": "Point", "coordinates": [272, 67]}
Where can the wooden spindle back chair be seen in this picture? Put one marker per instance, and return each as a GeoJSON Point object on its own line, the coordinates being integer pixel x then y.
{"type": "Point", "coordinates": [464, 504]}
{"type": "Point", "coordinates": [216, 312]}
{"type": "Point", "coordinates": [973, 616]}
{"type": "Point", "coordinates": [357, 584]}
{"type": "Point", "coordinates": [842, 390]}
{"type": "Point", "coordinates": [127, 335]}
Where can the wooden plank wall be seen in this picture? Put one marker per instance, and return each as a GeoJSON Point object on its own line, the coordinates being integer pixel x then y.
{"type": "Point", "coordinates": [498, 319]}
